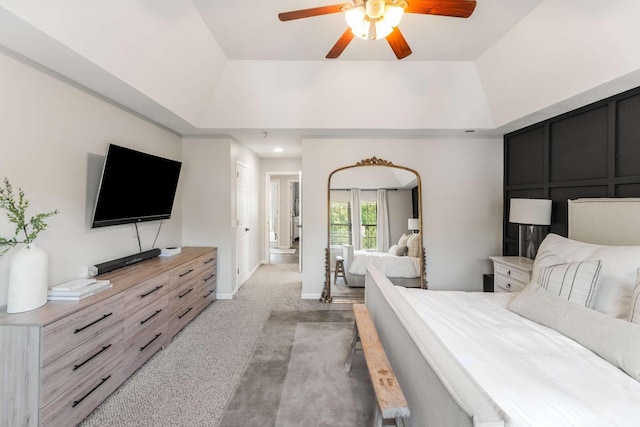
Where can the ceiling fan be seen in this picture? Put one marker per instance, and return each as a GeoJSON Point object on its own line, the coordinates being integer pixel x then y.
{"type": "Point", "coordinates": [376, 19]}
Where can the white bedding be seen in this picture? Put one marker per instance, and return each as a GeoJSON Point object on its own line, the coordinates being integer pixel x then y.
{"type": "Point", "coordinates": [391, 265]}
{"type": "Point", "coordinates": [535, 375]}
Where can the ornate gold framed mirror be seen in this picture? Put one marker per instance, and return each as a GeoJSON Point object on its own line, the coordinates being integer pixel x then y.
{"type": "Point", "coordinates": [374, 217]}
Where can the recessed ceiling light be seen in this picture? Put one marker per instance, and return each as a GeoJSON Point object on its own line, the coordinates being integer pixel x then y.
{"type": "Point", "coordinates": [278, 150]}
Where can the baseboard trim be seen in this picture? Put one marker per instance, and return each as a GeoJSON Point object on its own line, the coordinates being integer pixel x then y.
{"type": "Point", "coordinates": [224, 296]}
{"type": "Point", "coordinates": [310, 296]}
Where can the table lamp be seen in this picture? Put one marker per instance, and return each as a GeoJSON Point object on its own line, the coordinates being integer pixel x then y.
{"type": "Point", "coordinates": [529, 213]}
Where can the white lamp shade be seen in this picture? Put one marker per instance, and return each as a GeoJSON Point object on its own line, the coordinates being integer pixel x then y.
{"type": "Point", "coordinates": [530, 211]}
{"type": "Point", "coordinates": [413, 224]}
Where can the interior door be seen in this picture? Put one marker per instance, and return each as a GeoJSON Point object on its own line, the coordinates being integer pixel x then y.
{"type": "Point", "coordinates": [242, 226]}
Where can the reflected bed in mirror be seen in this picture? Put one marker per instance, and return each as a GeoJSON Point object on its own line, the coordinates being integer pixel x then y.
{"type": "Point", "coordinates": [374, 217]}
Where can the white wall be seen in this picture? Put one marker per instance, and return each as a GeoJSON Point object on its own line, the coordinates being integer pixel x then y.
{"type": "Point", "coordinates": [461, 203]}
{"type": "Point", "coordinates": [53, 138]}
{"type": "Point", "coordinates": [309, 95]}
{"type": "Point", "coordinates": [206, 209]}
{"type": "Point", "coordinates": [162, 49]}
{"type": "Point", "coordinates": [209, 203]}
{"type": "Point", "coordinates": [559, 50]}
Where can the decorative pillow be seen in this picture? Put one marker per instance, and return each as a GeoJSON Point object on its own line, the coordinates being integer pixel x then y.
{"type": "Point", "coordinates": [615, 340]}
{"type": "Point", "coordinates": [398, 250]}
{"type": "Point", "coordinates": [544, 258]}
{"type": "Point", "coordinates": [576, 282]}
{"type": "Point", "coordinates": [634, 314]}
{"type": "Point", "coordinates": [413, 245]}
{"type": "Point", "coordinates": [619, 265]}
{"type": "Point", "coordinates": [403, 239]}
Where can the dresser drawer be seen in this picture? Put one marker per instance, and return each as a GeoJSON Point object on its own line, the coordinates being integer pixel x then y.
{"type": "Point", "coordinates": [67, 333]}
{"type": "Point", "coordinates": [146, 293]}
{"type": "Point", "coordinates": [207, 261]}
{"type": "Point", "coordinates": [71, 407]}
{"type": "Point", "coordinates": [506, 284]}
{"type": "Point", "coordinates": [185, 272]}
{"type": "Point", "coordinates": [147, 316]}
{"type": "Point", "coordinates": [183, 312]}
{"type": "Point", "coordinates": [512, 273]}
{"type": "Point", "coordinates": [145, 344]}
{"type": "Point", "coordinates": [67, 371]}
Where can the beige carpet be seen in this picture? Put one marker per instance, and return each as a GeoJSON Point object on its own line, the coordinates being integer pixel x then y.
{"type": "Point", "coordinates": [190, 382]}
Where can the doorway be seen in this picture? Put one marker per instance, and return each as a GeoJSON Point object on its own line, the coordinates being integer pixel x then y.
{"type": "Point", "coordinates": [284, 218]}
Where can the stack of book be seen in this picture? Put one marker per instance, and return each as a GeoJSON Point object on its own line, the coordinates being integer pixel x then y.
{"type": "Point", "coordinates": [78, 289]}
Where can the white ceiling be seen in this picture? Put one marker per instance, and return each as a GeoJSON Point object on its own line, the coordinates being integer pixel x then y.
{"type": "Point", "coordinates": [229, 68]}
{"type": "Point", "coordinates": [251, 30]}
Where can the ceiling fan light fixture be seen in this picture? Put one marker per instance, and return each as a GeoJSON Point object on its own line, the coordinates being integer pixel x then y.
{"type": "Point", "coordinates": [383, 18]}
{"type": "Point", "coordinates": [358, 21]}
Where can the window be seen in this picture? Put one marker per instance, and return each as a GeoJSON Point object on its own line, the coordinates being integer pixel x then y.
{"type": "Point", "coordinates": [369, 225]}
{"type": "Point", "coordinates": [340, 224]}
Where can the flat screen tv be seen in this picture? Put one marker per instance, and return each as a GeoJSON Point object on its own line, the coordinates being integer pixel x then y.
{"type": "Point", "coordinates": [135, 187]}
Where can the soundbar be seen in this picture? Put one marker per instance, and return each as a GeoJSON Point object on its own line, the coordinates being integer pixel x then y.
{"type": "Point", "coordinates": [115, 264]}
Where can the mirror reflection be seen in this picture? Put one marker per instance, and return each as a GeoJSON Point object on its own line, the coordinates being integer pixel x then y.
{"type": "Point", "coordinates": [373, 219]}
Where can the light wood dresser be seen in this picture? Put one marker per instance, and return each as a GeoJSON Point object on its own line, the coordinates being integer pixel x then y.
{"type": "Point", "coordinates": [59, 362]}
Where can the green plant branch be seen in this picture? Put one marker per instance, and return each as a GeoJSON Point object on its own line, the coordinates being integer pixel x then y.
{"type": "Point", "coordinates": [16, 213]}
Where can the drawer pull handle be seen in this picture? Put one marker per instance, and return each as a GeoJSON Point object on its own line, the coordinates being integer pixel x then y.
{"type": "Point", "coordinates": [208, 293]}
{"type": "Point", "coordinates": [210, 277]}
{"type": "Point", "coordinates": [185, 313]}
{"type": "Point", "coordinates": [92, 323]}
{"type": "Point", "coordinates": [77, 402]}
{"type": "Point", "coordinates": [180, 296]}
{"type": "Point", "coordinates": [149, 343]}
{"type": "Point", "coordinates": [508, 285]}
{"type": "Point", "coordinates": [89, 359]}
{"type": "Point", "coordinates": [142, 322]}
{"type": "Point", "coordinates": [509, 273]}
{"type": "Point", "coordinates": [151, 291]}
{"type": "Point", "coordinates": [184, 274]}
{"type": "Point", "coordinates": [209, 260]}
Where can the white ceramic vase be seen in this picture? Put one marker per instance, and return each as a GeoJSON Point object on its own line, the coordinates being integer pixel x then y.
{"type": "Point", "coordinates": [28, 279]}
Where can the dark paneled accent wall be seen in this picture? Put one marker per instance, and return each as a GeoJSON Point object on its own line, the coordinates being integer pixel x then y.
{"type": "Point", "coordinates": [590, 152]}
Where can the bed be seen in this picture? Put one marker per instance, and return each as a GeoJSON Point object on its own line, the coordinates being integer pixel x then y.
{"type": "Point", "coordinates": [483, 359]}
{"type": "Point", "coordinates": [401, 264]}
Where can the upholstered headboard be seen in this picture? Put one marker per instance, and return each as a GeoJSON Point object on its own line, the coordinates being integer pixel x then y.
{"type": "Point", "coordinates": [605, 221]}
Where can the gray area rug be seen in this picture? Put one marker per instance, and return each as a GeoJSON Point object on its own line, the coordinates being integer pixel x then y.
{"type": "Point", "coordinates": [190, 382]}
{"type": "Point", "coordinates": [296, 375]}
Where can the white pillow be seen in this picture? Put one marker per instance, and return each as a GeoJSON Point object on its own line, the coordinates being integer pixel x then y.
{"type": "Point", "coordinates": [619, 265]}
{"type": "Point", "coordinates": [413, 245]}
{"type": "Point", "coordinates": [577, 282]}
{"type": "Point", "coordinates": [544, 258]}
{"type": "Point", "coordinates": [397, 250]}
{"type": "Point", "coordinates": [615, 340]}
{"type": "Point", "coordinates": [402, 241]}
{"type": "Point", "coordinates": [634, 313]}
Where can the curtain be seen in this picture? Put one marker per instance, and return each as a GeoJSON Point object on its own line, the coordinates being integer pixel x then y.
{"type": "Point", "coordinates": [356, 218]}
{"type": "Point", "coordinates": [382, 222]}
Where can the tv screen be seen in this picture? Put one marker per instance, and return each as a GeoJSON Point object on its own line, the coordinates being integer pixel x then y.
{"type": "Point", "coordinates": [135, 187]}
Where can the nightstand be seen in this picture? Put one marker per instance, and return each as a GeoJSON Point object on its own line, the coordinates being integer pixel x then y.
{"type": "Point", "coordinates": [511, 273]}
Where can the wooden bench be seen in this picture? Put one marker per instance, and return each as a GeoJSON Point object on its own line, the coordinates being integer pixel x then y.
{"type": "Point", "coordinates": [391, 404]}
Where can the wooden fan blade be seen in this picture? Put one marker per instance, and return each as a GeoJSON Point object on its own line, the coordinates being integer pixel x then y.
{"type": "Point", "coordinates": [456, 8]}
{"type": "Point", "coordinates": [341, 44]}
{"type": "Point", "coordinates": [307, 13]}
{"type": "Point", "coordinates": [398, 44]}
